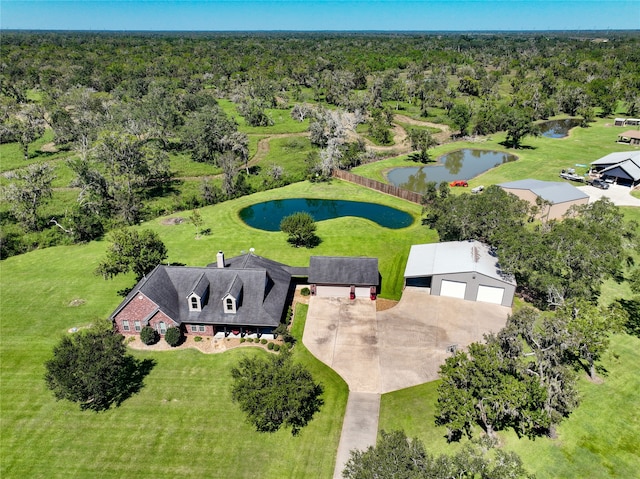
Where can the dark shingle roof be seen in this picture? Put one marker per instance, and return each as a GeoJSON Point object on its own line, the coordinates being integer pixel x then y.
{"type": "Point", "coordinates": [343, 270]}
{"type": "Point", "coordinates": [262, 284]}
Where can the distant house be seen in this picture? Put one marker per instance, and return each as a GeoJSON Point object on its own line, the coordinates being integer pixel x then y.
{"type": "Point", "coordinates": [619, 122]}
{"type": "Point", "coordinates": [247, 294]}
{"type": "Point", "coordinates": [622, 167]}
{"type": "Point", "coordinates": [632, 137]}
{"type": "Point", "coordinates": [459, 269]}
{"type": "Point", "coordinates": [352, 277]}
{"type": "Point", "coordinates": [553, 197]}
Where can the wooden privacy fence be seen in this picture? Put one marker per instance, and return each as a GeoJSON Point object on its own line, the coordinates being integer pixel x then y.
{"type": "Point", "coordinates": [378, 186]}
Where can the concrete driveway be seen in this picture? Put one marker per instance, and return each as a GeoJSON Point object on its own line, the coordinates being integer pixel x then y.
{"type": "Point", "coordinates": [619, 195]}
{"type": "Point", "coordinates": [397, 348]}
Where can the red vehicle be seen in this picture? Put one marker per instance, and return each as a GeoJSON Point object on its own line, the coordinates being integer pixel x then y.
{"type": "Point", "coordinates": [459, 183]}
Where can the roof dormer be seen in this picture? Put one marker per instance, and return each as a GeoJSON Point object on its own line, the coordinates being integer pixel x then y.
{"type": "Point", "coordinates": [233, 297]}
{"type": "Point", "coordinates": [199, 294]}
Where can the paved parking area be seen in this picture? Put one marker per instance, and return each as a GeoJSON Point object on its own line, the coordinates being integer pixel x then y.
{"type": "Point", "coordinates": [619, 195]}
{"type": "Point", "coordinates": [399, 347]}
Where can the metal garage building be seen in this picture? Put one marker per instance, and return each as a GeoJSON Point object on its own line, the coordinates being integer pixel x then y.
{"type": "Point", "coordinates": [459, 269]}
{"type": "Point", "coordinates": [558, 196]}
{"type": "Point", "coordinates": [344, 276]}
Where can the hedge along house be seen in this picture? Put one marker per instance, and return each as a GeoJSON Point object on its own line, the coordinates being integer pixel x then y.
{"type": "Point", "coordinates": [246, 294]}
{"type": "Point", "coordinates": [622, 167]}
{"type": "Point", "coordinates": [553, 198]}
{"type": "Point", "coordinates": [459, 269]}
{"type": "Point", "coordinates": [348, 277]}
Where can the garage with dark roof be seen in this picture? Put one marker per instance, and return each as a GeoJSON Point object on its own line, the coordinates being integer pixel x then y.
{"type": "Point", "coordinates": [354, 277]}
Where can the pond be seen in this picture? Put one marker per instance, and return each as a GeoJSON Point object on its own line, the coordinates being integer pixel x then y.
{"type": "Point", "coordinates": [558, 128]}
{"type": "Point", "coordinates": [458, 165]}
{"type": "Point", "coordinates": [267, 215]}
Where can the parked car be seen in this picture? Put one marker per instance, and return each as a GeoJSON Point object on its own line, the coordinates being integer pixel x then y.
{"type": "Point", "coordinates": [459, 183]}
{"type": "Point", "coordinates": [598, 183]}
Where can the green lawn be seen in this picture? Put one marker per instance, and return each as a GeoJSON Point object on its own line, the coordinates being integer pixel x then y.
{"type": "Point", "coordinates": [540, 158]}
{"type": "Point", "coordinates": [599, 440]}
{"type": "Point", "coordinates": [182, 423]}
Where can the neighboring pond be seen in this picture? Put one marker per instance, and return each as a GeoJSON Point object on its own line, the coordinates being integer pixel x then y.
{"type": "Point", "coordinates": [458, 165]}
{"type": "Point", "coordinates": [558, 128]}
{"type": "Point", "coordinates": [267, 215]}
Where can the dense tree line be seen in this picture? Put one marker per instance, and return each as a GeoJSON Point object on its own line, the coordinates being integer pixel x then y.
{"type": "Point", "coordinates": [120, 104]}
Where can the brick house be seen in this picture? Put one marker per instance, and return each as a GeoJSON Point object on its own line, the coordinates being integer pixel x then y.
{"type": "Point", "coordinates": [244, 295]}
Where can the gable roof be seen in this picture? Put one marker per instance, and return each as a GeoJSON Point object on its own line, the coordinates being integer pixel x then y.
{"type": "Point", "coordinates": [618, 157]}
{"type": "Point", "coordinates": [265, 285]}
{"type": "Point", "coordinates": [344, 270]}
{"type": "Point", "coordinates": [626, 169]}
{"type": "Point", "coordinates": [454, 257]}
{"type": "Point", "coordinates": [553, 191]}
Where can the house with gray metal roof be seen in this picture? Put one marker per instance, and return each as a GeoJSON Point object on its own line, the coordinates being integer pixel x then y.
{"type": "Point", "coordinates": [459, 269]}
{"type": "Point", "coordinates": [553, 198]}
{"type": "Point", "coordinates": [622, 167]}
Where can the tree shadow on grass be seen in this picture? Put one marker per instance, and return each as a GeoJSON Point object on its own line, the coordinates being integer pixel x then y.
{"type": "Point", "coordinates": [130, 381]}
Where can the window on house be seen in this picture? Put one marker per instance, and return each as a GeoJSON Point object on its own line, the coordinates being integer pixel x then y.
{"type": "Point", "coordinates": [194, 302]}
{"type": "Point", "coordinates": [125, 325]}
{"type": "Point", "coordinates": [194, 328]}
{"type": "Point", "coordinates": [229, 304]}
{"type": "Point", "coordinates": [137, 326]}
{"type": "Point", "coordinates": [201, 328]}
{"type": "Point", "coordinates": [162, 327]}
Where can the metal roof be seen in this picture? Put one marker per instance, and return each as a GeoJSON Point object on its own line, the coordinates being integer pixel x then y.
{"type": "Point", "coordinates": [618, 157]}
{"type": "Point", "coordinates": [553, 191]}
{"type": "Point", "coordinates": [626, 169]}
{"type": "Point", "coordinates": [454, 257]}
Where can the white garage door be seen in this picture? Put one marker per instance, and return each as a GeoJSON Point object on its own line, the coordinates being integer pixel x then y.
{"type": "Point", "coordinates": [362, 292]}
{"type": "Point", "coordinates": [333, 291]}
{"type": "Point", "coordinates": [453, 289]}
{"type": "Point", "coordinates": [490, 294]}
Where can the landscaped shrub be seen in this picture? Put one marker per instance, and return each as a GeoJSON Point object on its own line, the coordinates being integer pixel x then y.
{"type": "Point", "coordinates": [263, 341]}
{"type": "Point", "coordinates": [173, 336]}
{"type": "Point", "coordinates": [305, 291]}
{"type": "Point", "coordinates": [197, 339]}
{"type": "Point", "coordinates": [148, 335]}
{"type": "Point", "coordinates": [276, 347]}
{"type": "Point", "coordinates": [242, 340]}
{"type": "Point", "coordinates": [250, 340]}
{"type": "Point", "coordinates": [270, 346]}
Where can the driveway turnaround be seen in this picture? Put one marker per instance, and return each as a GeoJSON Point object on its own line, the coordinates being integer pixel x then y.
{"type": "Point", "coordinates": [619, 195]}
{"type": "Point", "coordinates": [379, 352]}
{"type": "Point", "coordinates": [397, 348]}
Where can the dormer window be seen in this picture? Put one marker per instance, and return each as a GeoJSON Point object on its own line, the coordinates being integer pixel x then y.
{"type": "Point", "coordinates": [195, 304]}
{"type": "Point", "coordinates": [230, 304]}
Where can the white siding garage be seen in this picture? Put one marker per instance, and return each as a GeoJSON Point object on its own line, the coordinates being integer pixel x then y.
{"type": "Point", "coordinates": [490, 294]}
{"type": "Point", "coordinates": [453, 289]}
{"type": "Point", "coordinates": [333, 291]}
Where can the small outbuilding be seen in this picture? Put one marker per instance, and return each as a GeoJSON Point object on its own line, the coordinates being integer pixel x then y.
{"type": "Point", "coordinates": [459, 269]}
{"type": "Point", "coordinates": [631, 137]}
{"type": "Point", "coordinates": [347, 277]}
{"type": "Point", "coordinates": [554, 198]}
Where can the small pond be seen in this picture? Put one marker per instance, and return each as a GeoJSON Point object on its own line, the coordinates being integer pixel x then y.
{"type": "Point", "coordinates": [458, 165]}
{"type": "Point", "coordinates": [558, 128]}
{"type": "Point", "coordinates": [267, 215]}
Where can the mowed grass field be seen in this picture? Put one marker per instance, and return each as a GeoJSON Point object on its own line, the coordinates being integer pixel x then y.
{"type": "Point", "coordinates": [183, 422]}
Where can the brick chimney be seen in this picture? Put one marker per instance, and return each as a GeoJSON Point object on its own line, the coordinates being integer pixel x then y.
{"type": "Point", "coordinates": [220, 259]}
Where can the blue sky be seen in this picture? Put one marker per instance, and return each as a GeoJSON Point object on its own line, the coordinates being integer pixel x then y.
{"type": "Point", "coordinates": [421, 15]}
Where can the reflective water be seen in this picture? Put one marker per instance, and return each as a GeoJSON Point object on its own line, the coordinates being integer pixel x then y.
{"type": "Point", "coordinates": [558, 128]}
{"type": "Point", "coordinates": [458, 165]}
{"type": "Point", "coordinates": [268, 215]}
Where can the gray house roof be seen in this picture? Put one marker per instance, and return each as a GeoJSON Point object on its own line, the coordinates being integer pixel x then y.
{"type": "Point", "coordinates": [454, 257]}
{"type": "Point", "coordinates": [260, 285]}
{"type": "Point", "coordinates": [344, 270]}
{"type": "Point", "coordinates": [618, 157]}
{"type": "Point", "coordinates": [626, 169]}
{"type": "Point", "coordinates": [553, 191]}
